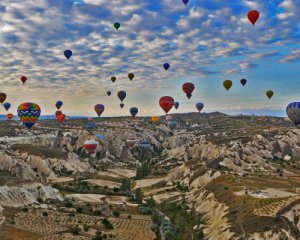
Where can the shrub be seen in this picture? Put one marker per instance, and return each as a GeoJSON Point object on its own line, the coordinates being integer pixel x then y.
{"type": "Point", "coordinates": [116, 214]}
{"type": "Point", "coordinates": [45, 214]}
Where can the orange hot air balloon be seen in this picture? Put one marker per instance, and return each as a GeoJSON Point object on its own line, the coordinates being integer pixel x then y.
{"type": "Point", "coordinates": [155, 119]}
{"type": "Point", "coordinates": [10, 116]}
{"type": "Point", "coordinates": [269, 94]}
{"type": "Point", "coordinates": [61, 118]}
{"type": "Point", "coordinates": [227, 84]}
{"type": "Point", "coordinates": [253, 16]}
{"type": "Point", "coordinates": [2, 97]}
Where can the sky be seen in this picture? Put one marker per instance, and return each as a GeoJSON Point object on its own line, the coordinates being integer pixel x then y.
{"type": "Point", "coordinates": [205, 42]}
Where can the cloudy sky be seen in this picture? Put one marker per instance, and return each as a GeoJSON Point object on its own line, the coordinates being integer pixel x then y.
{"type": "Point", "coordinates": [205, 43]}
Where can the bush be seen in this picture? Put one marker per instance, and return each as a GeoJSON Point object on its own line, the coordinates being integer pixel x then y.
{"type": "Point", "coordinates": [116, 214]}
{"type": "Point", "coordinates": [86, 228]}
{"type": "Point", "coordinates": [79, 210]}
{"type": "Point", "coordinates": [129, 217]}
{"type": "Point", "coordinates": [75, 230]}
{"type": "Point", "coordinates": [25, 209]}
{"type": "Point", "coordinates": [45, 214]}
{"type": "Point", "coordinates": [107, 224]}
{"type": "Point", "coordinates": [68, 204]}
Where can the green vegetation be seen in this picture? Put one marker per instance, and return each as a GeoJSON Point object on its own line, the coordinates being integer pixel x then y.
{"type": "Point", "coordinates": [116, 214]}
{"type": "Point", "coordinates": [75, 230]}
{"type": "Point", "coordinates": [107, 224]}
{"type": "Point", "coordinates": [142, 171]}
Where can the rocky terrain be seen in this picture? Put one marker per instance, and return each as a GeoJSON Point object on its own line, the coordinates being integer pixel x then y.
{"type": "Point", "coordinates": [239, 174]}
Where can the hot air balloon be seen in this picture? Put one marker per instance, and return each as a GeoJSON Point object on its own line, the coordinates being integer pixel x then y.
{"type": "Point", "coordinates": [90, 146]}
{"type": "Point", "coordinates": [117, 25]}
{"type": "Point", "coordinates": [253, 16]}
{"type": "Point", "coordinates": [90, 119]}
{"type": "Point", "coordinates": [199, 106]}
{"type": "Point", "coordinates": [172, 124]}
{"type": "Point", "coordinates": [23, 79]}
{"type": "Point", "coordinates": [145, 146]}
{"type": "Point", "coordinates": [90, 126]}
{"type": "Point", "coordinates": [243, 82]}
{"type": "Point", "coordinates": [133, 111]}
{"type": "Point", "coordinates": [101, 136]}
{"type": "Point", "coordinates": [166, 66]}
{"type": "Point", "coordinates": [155, 119]}
{"type": "Point", "coordinates": [176, 105]}
{"type": "Point", "coordinates": [108, 93]}
{"type": "Point", "coordinates": [188, 88]}
{"type": "Point", "coordinates": [293, 112]}
{"type": "Point", "coordinates": [130, 76]}
{"type": "Point", "coordinates": [166, 103]}
{"type": "Point", "coordinates": [227, 84]}
{"type": "Point", "coordinates": [121, 95]}
{"type": "Point", "coordinates": [99, 109]}
{"type": "Point", "coordinates": [185, 2]}
{"type": "Point", "coordinates": [68, 54]}
{"type": "Point", "coordinates": [58, 113]}
{"type": "Point", "coordinates": [29, 113]}
{"type": "Point", "coordinates": [168, 117]}
{"type": "Point", "coordinates": [131, 142]}
{"type": "Point", "coordinates": [113, 79]}
{"type": "Point", "coordinates": [122, 105]}
{"type": "Point", "coordinates": [7, 106]}
{"type": "Point", "coordinates": [58, 104]}
{"type": "Point", "coordinates": [61, 118]}
{"type": "Point", "coordinates": [2, 98]}
{"type": "Point", "coordinates": [269, 94]}
{"type": "Point", "coordinates": [10, 116]}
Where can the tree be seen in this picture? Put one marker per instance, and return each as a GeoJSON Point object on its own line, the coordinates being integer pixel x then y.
{"type": "Point", "coordinates": [138, 196]}
{"type": "Point", "coordinates": [68, 204]}
{"type": "Point", "coordinates": [79, 210]}
{"type": "Point", "coordinates": [116, 214]}
{"type": "Point", "coordinates": [126, 184]}
{"type": "Point", "coordinates": [75, 230]}
{"type": "Point", "coordinates": [150, 202]}
{"type": "Point", "coordinates": [86, 228]}
{"type": "Point", "coordinates": [45, 214]}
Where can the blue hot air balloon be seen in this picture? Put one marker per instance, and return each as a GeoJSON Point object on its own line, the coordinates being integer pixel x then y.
{"type": "Point", "coordinates": [199, 106]}
{"type": "Point", "coordinates": [101, 136]}
{"type": "Point", "coordinates": [121, 95]}
{"type": "Point", "coordinates": [166, 66]}
{"type": "Point", "coordinates": [176, 105]}
{"type": "Point", "coordinates": [90, 126]}
{"type": "Point", "coordinates": [7, 106]}
{"type": "Point", "coordinates": [293, 112]}
{"type": "Point", "coordinates": [58, 104]}
{"type": "Point", "coordinates": [243, 82]}
{"type": "Point", "coordinates": [68, 54]}
{"type": "Point", "coordinates": [133, 111]}
{"type": "Point", "coordinates": [145, 146]}
{"type": "Point", "coordinates": [172, 124]}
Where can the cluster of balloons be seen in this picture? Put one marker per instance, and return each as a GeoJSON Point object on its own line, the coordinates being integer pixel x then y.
{"type": "Point", "coordinates": [59, 115]}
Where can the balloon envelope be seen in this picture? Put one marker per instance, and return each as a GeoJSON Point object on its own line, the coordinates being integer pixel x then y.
{"type": "Point", "coordinates": [270, 94]}
{"type": "Point", "coordinates": [130, 76]}
{"type": "Point", "coordinates": [199, 106]}
{"type": "Point", "coordinates": [243, 82]}
{"type": "Point", "coordinates": [168, 118]}
{"type": "Point", "coordinates": [172, 124]}
{"type": "Point", "coordinates": [58, 104]}
{"type": "Point", "coordinates": [90, 126]}
{"type": "Point", "coordinates": [155, 119]}
{"type": "Point", "coordinates": [145, 146]}
{"type": "Point", "coordinates": [117, 25]}
{"type": "Point", "coordinates": [113, 79]}
{"type": "Point", "coordinates": [176, 105]}
{"type": "Point", "coordinates": [108, 93]}
{"type": "Point", "coordinates": [122, 105]}
{"type": "Point", "coordinates": [29, 113]}
{"type": "Point", "coordinates": [133, 111]}
{"type": "Point", "coordinates": [61, 118]}
{"type": "Point", "coordinates": [121, 95]}
{"type": "Point", "coordinates": [23, 79]}
{"type": "Point", "coordinates": [185, 2]}
{"type": "Point", "coordinates": [90, 146]}
{"type": "Point", "coordinates": [10, 116]}
{"type": "Point", "coordinates": [131, 142]}
{"type": "Point", "coordinates": [101, 136]}
{"type": "Point", "coordinates": [58, 113]}
{"type": "Point", "coordinates": [166, 103]}
{"type": "Point", "coordinates": [68, 53]}
{"type": "Point", "coordinates": [227, 84]}
{"type": "Point", "coordinates": [7, 106]}
{"type": "Point", "coordinates": [2, 97]}
{"type": "Point", "coordinates": [99, 109]}
{"type": "Point", "coordinates": [166, 66]}
{"type": "Point", "coordinates": [188, 88]}
{"type": "Point", "coordinates": [293, 112]}
{"type": "Point", "coordinates": [253, 16]}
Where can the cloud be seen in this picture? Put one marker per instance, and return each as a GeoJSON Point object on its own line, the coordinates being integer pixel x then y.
{"type": "Point", "coordinates": [294, 56]}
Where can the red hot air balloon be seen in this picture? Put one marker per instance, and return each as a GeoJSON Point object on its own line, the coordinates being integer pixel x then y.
{"type": "Point", "coordinates": [90, 146]}
{"type": "Point", "coordinates": [166, 103]}
{"type": "Point", "coordinates": [188, 88]}
{"type": "Point", "coordinates": [253, 16]}
{"type": "Point", "coordinates": [61, 118]}
{"type": "Point", "coordinates": [23, 79]}
{"type": "Point", "coordinates": [10, 116]}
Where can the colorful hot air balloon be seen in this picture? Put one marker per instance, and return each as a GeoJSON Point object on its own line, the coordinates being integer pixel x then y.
{"type": "Point", "coordinates": [243, 82]}
{"type": "Point", "coordinates": [113, 79]}
{"type": "Point", "coordinates": [99, 109]}
{"type": "Point", "coordinates": [29, 113]}
{"type": "Point", "coordinates": [166, 103]}
{"type": "Point", "coordinates": [7, 106]}
{"type": "Point", "coordinates": [168, 117]}
{"type": "Point", "coordinates": [2, 98]}
{"type": "Point", "coordinates": [227, 84]}
{"type": "Point", "coordinates": [269, 94]}
{"type": "Point", "coordinates": [90, 146]}
{"type": "Point", "coordinates": [155, 119]}
{"type": "Point", "coordinates": [293, 112]}
{"type": "Point", "coordinates": [166, 66]}
{"type": "Point", "coordinates": [61, 118]}
{"type": "Point", "coordinates": [108, 93]}
{"type": "Point", "coordinates": [68, 54]}
{"type": "Point", "coordinates": [122, 105]}
{"type": "Point", "coordinates": [176, 105]}
{"type": "Point", "coordinates": [58, 104]}
{"type": "Point", "coordinates": [133, 111]}
{"type": "Point", "coordinates": [130, 76]}
{"type": "Point", "coordinates": [199, 106]}
{"type": "Point", "coordinates": [121, 95]}
{"type": "Point", "coordinates": [58, 113]}
{"type": "Point", "coordinates": [117, 25]}
{"type": "Point", "coordinates": [253, 16]}
{"type": "Point", "coordinates": [188, 88]}
{"type": "Point", "coordinates": [23, 79]}
{"type": "Point", "coordinates": [172, 124]}
{"type": "Point", "coordinates": [185, 2]}
{"type": "Point", "coordinates": [10, 116]}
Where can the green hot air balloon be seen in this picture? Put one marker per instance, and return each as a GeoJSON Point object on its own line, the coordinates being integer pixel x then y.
{"type": "Point", "coordinates": [117, 26]}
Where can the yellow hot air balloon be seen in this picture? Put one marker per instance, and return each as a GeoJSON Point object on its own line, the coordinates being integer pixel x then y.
{"type": "Point", "coordinates": [227, 84]}
{"type": "Point", "coordinates": [269, 94]}
{"type": "Point", "coordinates": [155, 119]}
